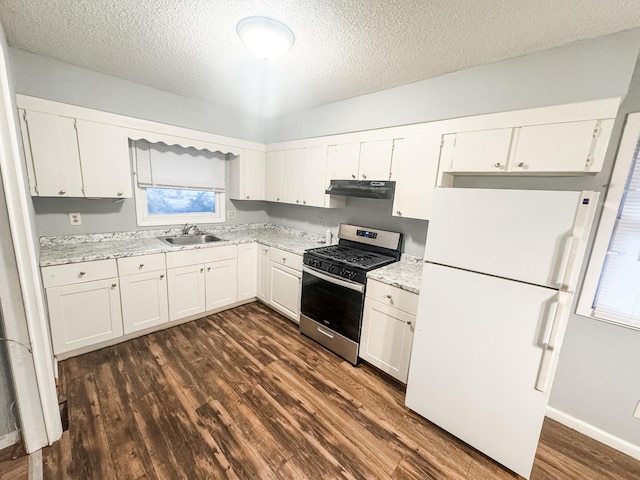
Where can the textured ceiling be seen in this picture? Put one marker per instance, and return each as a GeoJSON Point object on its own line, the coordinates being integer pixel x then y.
{"type": "Point", "coordinates": [343, 48]}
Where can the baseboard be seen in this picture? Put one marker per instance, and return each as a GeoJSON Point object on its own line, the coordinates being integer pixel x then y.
{"type": "Point", "coordinates": [9, 439]}
{"type": "Point", "coordinates": [594, 432]}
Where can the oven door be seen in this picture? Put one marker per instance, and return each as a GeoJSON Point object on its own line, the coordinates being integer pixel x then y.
{"type": "Point", "coordinates": [333, 302]}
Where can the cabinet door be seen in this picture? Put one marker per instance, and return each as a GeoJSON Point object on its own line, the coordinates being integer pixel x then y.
{"type": "Point", "coordinates": [375, 160]}
{"type": "Point", "coordinates": [560, 147]}
{"type": "Point", "coordinates": [345, 158]}
{"type": "Point", "coordinates": [186, 291]}
{"type": "Point", "coordinates": [221, 283]}
{"type": "Point", "coordinates": [482, 151]}
{"type": "Point", "coordinates": [144, 300]}
{"type": "Point", "coordinates": [264, 274]}
{"type": "Point", "coordinates": [315, 173]}
{"type": "Point", "coordinates": [285, 290]}
{"type": "Point", "coordinates": [387, 334]}
{"type": "Point", "coordinates": [84, 314]}
{"type": "Point", "coordinates": [415, 171]}
{"type": "Point", "coordinates": [273, 176]}
{"type": "Point", "coordinates": [254, 175]}
{"type": "Point", "coordinates": [54, 151]}
{"type": "Point", "coordinates": [292, 174]}
{"type": "Point", "coordinates": [247, 271]}
{"type": "Point", "coordinates": [104, 155]}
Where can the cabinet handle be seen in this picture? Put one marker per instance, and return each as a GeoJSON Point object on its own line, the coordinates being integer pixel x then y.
{"type": "Point", "coordinates": [297, 201]}
{"type": "Point", "coordinates": [364, 176]}
{"type": "Point", "coordinates": [523, 165]}
{"type": "Point", "coordinates": [389, 296]}
{"type": "Point", "coordinates": [141, 265]}
{"type": "Point", "coordinates": [284, 260]}
{"type": "Point", "coordinates": [497, 165]}
{"type": "Point", "coordinates": [82, 274]}
{"type": "Point", "coordinates": [277, 199]}
{"type": "Point", "coordinates": [161, 276]}
{"type": "Point", "coordinates": [398, 212]}
{"type": "Point", "coordinates": [62, 192]}
{"type": "Point", "coordinates": [247, 197]}
{"type": "Point", "coordinates": [114, 285]}
{"type": "Point", "coordinates": [304, 202]}
{"type": "Point", "coordinates": [408, 322]}
{"type": "Point", "coordinates": [119, 194]}
{"type": "Point", "coordinates": [208, 269]}
{"type": "Point", "coordinates": [353, 176]}
{"type": "Point", "coordinates": [202, 270]}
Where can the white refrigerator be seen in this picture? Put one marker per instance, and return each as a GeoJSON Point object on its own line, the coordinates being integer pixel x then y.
{"type": "Point", "coordinates": [500, 270]}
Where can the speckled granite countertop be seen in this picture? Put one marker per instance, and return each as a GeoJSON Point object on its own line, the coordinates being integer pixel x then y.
{"type": "Point", "coordinates": [405, 274]}
{"type": "Point", "coordinates": [85, 248]}
{"type": "Point", "coordinates": [61, 250]}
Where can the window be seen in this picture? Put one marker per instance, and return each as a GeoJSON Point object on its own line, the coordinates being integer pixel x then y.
{"type": "Point", "coordinates": [177, 185]}
{"type": "Point", "coordinates": [611, 290]}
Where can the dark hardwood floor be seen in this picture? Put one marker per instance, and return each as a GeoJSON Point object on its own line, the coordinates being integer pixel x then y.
{"type": "Point", "coordinates": [241, 394]}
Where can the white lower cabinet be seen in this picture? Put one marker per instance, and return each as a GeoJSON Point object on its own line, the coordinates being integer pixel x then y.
{"type": "Point", "coordinates": [84, 304]}
{"type": "Point", "coordinates": [264, 274]}
{"type": "Point", "coordinates": [143, 292]}
{"type": "Point", "coordinates": [221, 283]}
{"type": "Point", "coordinates": [247, 271]}
{"type": "Point", "coordinates": [201, 280]}
{"type": "Point", "coordinates": [286, 283]}
{"type": "Point", "coordinates": [387, 328]}
{"type": "Point", "coordinates": [186, 291]}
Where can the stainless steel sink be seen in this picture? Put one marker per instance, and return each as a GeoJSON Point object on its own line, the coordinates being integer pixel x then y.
{"type": "Point", "coordinates": [189, 239]}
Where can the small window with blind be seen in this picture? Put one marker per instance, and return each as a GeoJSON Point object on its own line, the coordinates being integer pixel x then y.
{"type": "Point", "coordinates": [611, 291]}
{"type": "Point", "coordinates": [177, 185]}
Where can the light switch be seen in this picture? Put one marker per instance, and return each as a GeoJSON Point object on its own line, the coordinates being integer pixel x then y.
{"type": "Point", "coordinates": [75, 218]}
{"type": "Point", "coordinates": [231, 214]}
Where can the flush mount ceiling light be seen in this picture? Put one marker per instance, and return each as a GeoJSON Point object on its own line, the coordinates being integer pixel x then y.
{"type": "Point", "coordinates": [265, 37]}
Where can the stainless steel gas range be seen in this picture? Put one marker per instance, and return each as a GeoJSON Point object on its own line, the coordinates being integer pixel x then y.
{"type": "Point", "coordinates": [333, 285]}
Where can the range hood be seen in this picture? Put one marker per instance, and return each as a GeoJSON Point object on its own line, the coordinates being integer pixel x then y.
{"type": "Point", "coordinates": [362, 188]}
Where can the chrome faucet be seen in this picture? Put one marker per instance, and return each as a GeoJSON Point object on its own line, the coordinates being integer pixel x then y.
{"type": "Point", "coordinates": [188, 227]}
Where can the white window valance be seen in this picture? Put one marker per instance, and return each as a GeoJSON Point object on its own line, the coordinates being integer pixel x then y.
{"type": "Point", "coordinates": [183, 142]}
{"type": "Point", "coordinates": [174, 166]}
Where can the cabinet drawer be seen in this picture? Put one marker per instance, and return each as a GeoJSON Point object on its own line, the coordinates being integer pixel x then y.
{"type": "Point", "coordinates": [392, 296]}
{"type": "Point", "coordinates": [78, 272]}
{"type": "Point", "coordinates": [285, 258]}
{"type": "Point", "coordinates": [228, 252]}
{"type": "Point", "coordinates": [141, 264]}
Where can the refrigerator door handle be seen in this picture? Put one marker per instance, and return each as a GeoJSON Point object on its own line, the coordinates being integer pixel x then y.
{"type": "Point", "coordinates": [553, 340]}
{"type": "Point", "coordinates": [567, 260]}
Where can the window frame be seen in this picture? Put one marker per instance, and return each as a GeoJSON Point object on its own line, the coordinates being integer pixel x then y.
{"type": "Point", "coordinates": [143, 219]}
{"type": "Point", "coordinates": [611, 207]}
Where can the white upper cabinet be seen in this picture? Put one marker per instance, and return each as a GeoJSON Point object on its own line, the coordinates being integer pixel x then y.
{"type": "Point", "coordinates": [344, 161]}
{"type": "Point", "coordinates": [52, 144]}
{"type": "Point", "coordinates": [74, 158]}
{"type": "Point", "coordinates": [104, 156]}
{"type": "Point", "coordinates": [246, 175]}
{"type": "Point", "coordinates": [292, 176]}
{"type": "Point", "coordinates": [535, 149]}
{"type": "Point", "coordinates": [315, 177]}
{"type": "Point", "coordinates": [375, 160]}
{"type": "Point", "coordinates": [483, 151]}
{"type": "Point", "coordinates": [273, 176]}
{"type": "Point", "coordinates": [564, 147]}
{"type": "Point", "coordinates": [370, 160]}
{"type": "Point", "coordinates": [415, 171]}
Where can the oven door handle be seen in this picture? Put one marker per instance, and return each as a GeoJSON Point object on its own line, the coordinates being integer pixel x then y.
{"type": "Point", "coordinates": [333, 279]}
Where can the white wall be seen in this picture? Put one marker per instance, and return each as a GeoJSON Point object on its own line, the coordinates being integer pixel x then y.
{"type": "Point", "coordinates": [598, 379]}
{"type": "Point", "coordinates": [577, 72]}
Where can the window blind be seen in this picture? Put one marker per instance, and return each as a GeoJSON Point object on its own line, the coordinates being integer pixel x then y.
{"type": "Point", "coordinates": [173, 166]}
{"type": "Point", "coordinates": [618, 294]}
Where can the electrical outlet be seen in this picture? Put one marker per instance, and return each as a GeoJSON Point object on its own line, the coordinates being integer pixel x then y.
{"type": "Point", "coordinates": [75, 218]}
{"type": "Point", "coordinates": [636, 413]}
{"type": "Point", "coordinates": [231, 214]}
{"type": "Point", "coordinates": [320, 221]}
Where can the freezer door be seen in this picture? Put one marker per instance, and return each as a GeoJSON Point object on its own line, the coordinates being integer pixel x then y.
{"type": "Point", "coordinates": [527, 235]}
{"type": "Point", "coordinates": [480, 364]}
